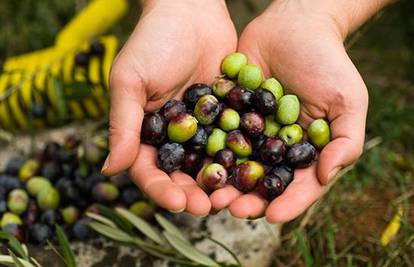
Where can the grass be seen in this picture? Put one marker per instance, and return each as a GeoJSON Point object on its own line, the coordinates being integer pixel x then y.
{"type": "Point", "coordinates": [344, 229]}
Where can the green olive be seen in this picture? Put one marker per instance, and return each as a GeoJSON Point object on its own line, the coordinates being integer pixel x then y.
{"type": "Point", "coordinates": [291, 134]}
{"type": "Point", "coordinates": [216, 141]}
{"type": "Point", "coordinates": [182, 127]}
{"type": "Point", "coordinates": [229, 119]}
{"type": "Point", "coordinates": [250, 76]}
{"type": "Point", "coordinates": [37, 184]}
{"type": "Point", "coordinates": [222, 87]}
{"type": "Point", "coordinates": [274, 87]}
{"type": "Point", "coordinates": [272, 127]}
{"type": "Point", "coordinates": [289, 109]}
{"type": "Point", "coordinates": [319, 133]}
{"type": "Point", "coordinates": [48, 198]}
{"type": "Point", "coordinates": [232, 64]}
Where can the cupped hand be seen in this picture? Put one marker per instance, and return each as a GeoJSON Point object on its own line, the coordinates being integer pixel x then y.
{"type": "Point", "coordinates": [175, 44]}
{"type": "Point", "coordinates": [303, 48]}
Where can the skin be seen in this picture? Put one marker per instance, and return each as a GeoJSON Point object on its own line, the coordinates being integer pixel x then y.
{"type": "Point", "coordinates": [299, 42]}
{"type": "Point", "coordinates": [175, 44]}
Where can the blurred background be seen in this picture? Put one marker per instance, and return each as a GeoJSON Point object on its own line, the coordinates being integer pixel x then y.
{"type": "Point", "coordinates": [345, 227]}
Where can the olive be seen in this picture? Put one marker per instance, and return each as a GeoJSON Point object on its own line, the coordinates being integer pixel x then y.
{"type": "Point", "coordinates": [194, 92]}
{"type": "Point", "coordinates": [229, 119]}
{"type": "Point", "coordinates": [291, 134]}
{"type": "Point", "coordinates": [16, 230]}
{"type": "Point", "coordinates": [226, 158]}
{"type": "Point", "coordinates": [270, 187]}
{"type": "Point", "coordinates": [32, 213]}
{"type": "Point", "coordinates": [105, 192]}
{"type": "Point", "coordinates": [52, 170]}
{"type": "Point", "coordinates": [222, 87]}
{"type": "Point", "coordinates": [264, 101]}
{"type": "Point", "coordinates": [301, 155]}
{"type": "Point", "coordinates": [17, 201]}
{"type": "Point", "coordinates": [193, 162]}
{"type": "Point", "coordinates": [273, 151]}
{"type": "Point", "coordinates": [214, 176]}
{"type": "Point", "coordinates": [274, 87]}
{"type": "Point", "coordinates": [182, 127]}
{"type": "Point", "coordinates": [252, 123]}
{"type": "Point", "coordinates": [216, 141]}
{"type": "Point", "coordinates": [40, 233]}
{"type": "Point", "coordinates": [92, 153]}
{"type": "Point", "coordinates": [130, 194]}
{"type": "Point", "coordinates": [170, 157]}
{"type": "Point", "coordinates": [319, 133]}
{"type": "Point", "coordinates": [82, 59]}
{"type": "Point", "coordinates": [240, 98]}
{"type": "Point", "coordinates": [272, 127]}
{"type": "Point", "coordinates": [250, 76]}
{"type": "Point", "coordinates": [285, 173]}
{"type": "Point", "coordinates": [51, 151]}
{"type": "Point", "coordinates": [97, 48]}
{"type": "Point", "coordinates": [14, 165]}
{"type": "Point", "coordinates": [70, 214]}
{"type": "Point", "coordinates": [239, 144]}
{"type": "Point", "coordinates": [233, 63]}
{"type": "Point", "coordinates": [48, 198]}
{"type": "Point", "coordinates": [120, 180]}
{"type": "Point", "coordinates": [10, 218]}
{"type": "Point", "coordinates": [142, 209]}
{"type": "Point", "coordinates": [172, 108]}
{"type": "Point", "coordinates": [29, 169]}
{"type": "Point", "coordinates": [247, 174]}
{"type": "Point", "coordinates": [199, 141]}
{"type": "Point", "coordinates": [288, 110]}
{"type": "Point", "coordinates": [207, 109]}
{"type": "Point", "coordinates": [50, 217]}
{"type": "Point", "coordinates": [8, 183]}
{"type": "Point", "coordinates": [68, 191]}
{"type": "Point", "coordinates": [154, 129]}
{"type": "Point", "coordinates": [81, 229]}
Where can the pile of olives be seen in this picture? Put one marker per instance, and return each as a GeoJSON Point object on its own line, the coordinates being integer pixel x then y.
{"type": "Point", "coordinates": [58, 186]}
{"type": "Point", "coordinates": [245, 125]}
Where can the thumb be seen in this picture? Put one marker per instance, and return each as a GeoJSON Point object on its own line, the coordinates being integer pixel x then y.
{"type": "Point", "coordinates": [348, 132]}
{"type": "Point", "coordinates": [128, 98]}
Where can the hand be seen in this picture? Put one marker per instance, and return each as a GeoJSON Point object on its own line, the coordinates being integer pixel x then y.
{"type": "Point", "coordinates": [175, 44]}
{"type": "Point", "coordinates": [303, 48]}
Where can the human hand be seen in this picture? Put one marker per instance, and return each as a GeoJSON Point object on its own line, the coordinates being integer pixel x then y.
{"type": "Point", "coordinates": [175, 44]}
{"type": "Point", "coordinates": [302, 46]}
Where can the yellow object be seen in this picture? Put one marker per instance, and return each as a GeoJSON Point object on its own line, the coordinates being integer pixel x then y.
{"type": "Point", "coordinates": [392, 228]}
{"type": "Point", "coordinates": [96, 18]}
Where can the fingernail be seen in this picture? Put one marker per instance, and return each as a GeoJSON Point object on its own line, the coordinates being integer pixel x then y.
{"type": "Point", "coordinates": [332, 174]}
{"type": "Point", "coordinates": [202, 216]}
{"type": "Point", "coordinates": [106, 164]}
{"type": "Point", "coordinates": [177, 211]}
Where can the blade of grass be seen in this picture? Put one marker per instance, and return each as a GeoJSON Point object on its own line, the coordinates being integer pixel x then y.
{"type": "Point", "coordinates": [14, 245]}
{"type": "Point", "coordinates": [56, 251]}
{"type": "Point", "coordinates": [303, 248]}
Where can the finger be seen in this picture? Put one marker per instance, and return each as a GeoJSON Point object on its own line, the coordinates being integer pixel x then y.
{"type": "Point", "coordinates": [304, 190]}
{"type": "Point", "coordinates": [156, 183]}
{"type": "Point", "coordinates": [125, 119]}
{"type": "Point", "coordinates": [348, 132]}
{"type": "Point", "coordinates": [223, 197]}
{"type": "Point", "coordinates": [248, 206]}
{"type": "Point", "coordinates": [198, 202]}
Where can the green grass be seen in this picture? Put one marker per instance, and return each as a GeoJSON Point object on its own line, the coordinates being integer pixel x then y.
{"type": "Point", "coordinates": [345, 227]}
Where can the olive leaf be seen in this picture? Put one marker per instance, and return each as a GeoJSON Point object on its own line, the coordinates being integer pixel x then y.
{"type": "Point", "coordinates": [16, 261]}
{"type": "Point", "coordinates": [122, 223]}
{"type": "Point", "coordinates": [112, 233]}
{"type": "Point", "coordinates": [170, 228]}
{"type": "Point", "coordinates": [101, 219]}
{"type": "Point", "coordinates": [234, 256]}
{"type": "Point", "coordinates": [14, 245]}
{"type": "Point", "coordinates": [8, 261]}
{"type": "Point", "coordinates": [141, 225]}
{"type": "Point", "coordinates": [189, 251]}
{"type": "Point", "coordinates": [64, 248]}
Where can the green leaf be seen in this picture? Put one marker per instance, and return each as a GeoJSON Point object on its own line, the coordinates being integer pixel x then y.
{"type": "Point", "coordinates": [303, 247]}
{"type": "Point", "coordinates": [112, 233]}
{"type": "Point", "coordinates": [101, 219]}
{"type": "Point", "coordinates": [63, 113]}
{"type": "Point", "coordinates": [115, 218]}
{"type": "Point", "coordinates": [189, 251]}
{"type": "Point", "coordinates": [56, 251]}
{"type": "Point", "coordinates": [14, 245]}
{"type": "Point", "coordinates": [226, 249]}
{"type": "Point", "coordinates": [64, 248]}
{"type": "Point", "coordinates": [77, 90]}
{"type": "Point", "coordinates": [169, 227]}
{"type": "Point", "coordinates": [8, 261]}
{"type": "Point", "coordinates": [141, 225]}
{"type": "Point", "coordinates": [15, 259]}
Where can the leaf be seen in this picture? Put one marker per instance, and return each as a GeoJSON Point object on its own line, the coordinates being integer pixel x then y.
{"type": "Point", "coordinates": [189, 251]}
{"type": "Point", "coordinates": [77, 90]}
{"type": "Point", "coordinates": [169, 227]}
{"type": "Point", "coordinates": [101, 219]}
{"type": "Point", "coordinates": [8, 260]}
{"type": "Point", "coordinates": [392, 228]}
{"type": "Point", "coordinates": [14, 245]}
{"type": "Point", "coordinates": [141, 225]}
{"type": "Point", "coordinates": [15, 259]}
{"type": "Point", "coordinates": [63, 114]}
{"type": "Point", "coordinates": [303, 247]}
{"type": "Point", "coordinates": [64, 248]}
{"type": "Point", "coordinates": [112, 233]}
{"type": "Point", "coordinates": [234, 256]}
{"type": "Point", "coordinates": [115, 218]}
{"type": "Point", "coordinates": [56, 251]}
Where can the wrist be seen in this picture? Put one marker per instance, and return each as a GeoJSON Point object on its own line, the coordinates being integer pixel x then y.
{"type": "Point", "coordinates": [183, 3]}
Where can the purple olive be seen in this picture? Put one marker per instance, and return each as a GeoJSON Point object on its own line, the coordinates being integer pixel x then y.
{"type": "Point", "coordinates": [270, 187]}
{"type": "Point", "coordinates": [214, 176]}
{"type": "Point", "coordinates": [301, 155]}
{"type": "Point", "coordinates": [273, 151]}
{"type": "Point", "coordinates": [226, 158]}
{"type": "Point", "coordinates": [239, 144]}
{"type": "Point", "coordinates": [285, 173]}
{"type": "Point", "coordinates": [240, 98]}
{"type": "Point", "coordinates": [194, 92]}
{"type": "Point", "coordinates": [172, 108]}
{"type": "Point", "coordinates": [252, 123]}
{"type": "Point", "coordinates": [154, 129]}
{"type": "Point", "coordinates": [247, 174]}
{"type": "Point", "coordinates": [170, 157]}
{"type": "Point", "coordinates": [193, 162]}
{"type": "Point", "coordinates": [264, 102]}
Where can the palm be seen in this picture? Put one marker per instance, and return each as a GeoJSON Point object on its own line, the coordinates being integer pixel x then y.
{"type": "Point", "coordinates": [311, 62]}
{"type": "Point", "coordinates": [170, 49]}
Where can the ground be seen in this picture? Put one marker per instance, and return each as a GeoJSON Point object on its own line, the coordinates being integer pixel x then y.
{"type": "Point", "coordinates": [344, 228]}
